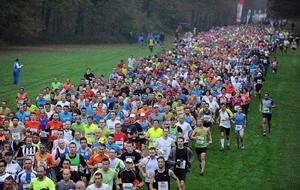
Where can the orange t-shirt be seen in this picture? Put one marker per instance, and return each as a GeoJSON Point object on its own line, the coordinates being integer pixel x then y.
{"type": "Point", "coordinates": [47, 160]}
{"type": "Point", "coordinates": [96, 159]}
{"type": "Point", "coordinates": [34, 126]}
{"type": "Point", "coordinates": [56, 126]}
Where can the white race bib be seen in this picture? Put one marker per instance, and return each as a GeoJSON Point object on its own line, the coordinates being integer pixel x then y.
{"type": "Point", "coordinates": [200, 140]}
{"type": "Point", "coordinates": [16, 136]}
{"type": "Point", "coordinates": [127, 186]}
{"type": "Point", "coordinates": [26, 186]}
{"type": "Point", "coordinates": [266, 110]}
{"type": "Point", "coordinates": [33, 130]}
{"type": "Point", "coordinates": [120, 144]}
{"type": "Point", "coordinates": [43, 134]}
{"type": "Point", "coordinates": [236, 107]}
{"type": "Point", "coordinates": [238, 127]}
{"type": "Point", "coordinates": [181, 165]}
{"type": "Point", "coordinates": [111, 129]}
{"type": "Point", "coordinates": [207, 118]}
{"type": "Point", "coordinates": [163, 185]}
{"type": "Point", "coordinates": [75, 168]}
{"type": "Point", "coordinates": [54, 133]}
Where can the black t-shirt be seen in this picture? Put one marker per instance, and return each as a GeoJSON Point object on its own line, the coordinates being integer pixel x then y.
{"type": "Point", "coordinates": [259, 80]}
{"type": "Point", "coordinates": [181, 155]}
{"type": "Point", "coordinates": [134, 156]}
{"type": "Point", "coordinates": [89, 76]}
{"type": "Point", "coordinates": [128, 176]}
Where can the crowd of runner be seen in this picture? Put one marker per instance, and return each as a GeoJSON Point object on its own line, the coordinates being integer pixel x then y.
{"type": "Point", "coordinates": [138, 128]}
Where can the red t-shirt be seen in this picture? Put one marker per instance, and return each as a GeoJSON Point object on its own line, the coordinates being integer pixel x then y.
{"type": "Point", "coordinates": [34, 126]}
{"type": "Point", "coordinates": [56, 126]}
{"type": "Point", "coordinates": [120, 139]}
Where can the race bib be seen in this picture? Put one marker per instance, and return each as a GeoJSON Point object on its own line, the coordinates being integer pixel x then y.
{"type": "Point", "coordinates": [127, 186]}
{"type": "Point", "coordinates": [181, 165]}
{"type": "Point", "coordinates": [142, 136]}
{"type": "Point", "coordinates": [163, 185]}
{"type": "Point", "coordinates": [206, 117]}
{"type": "Point", "coordinates": [75, 168]}
{"type": "Point", "coordinates": [89, 135]}
{"type": "Point", "coordinates": [236, 107]}
{"type": "Point", "coordinates": [111, 129]}
{"type": "Point", "coordinates": [200, 140]}
{"type": "Point", "coordinates": [33, 130]}
{"type": "Point", "coordinates": [259, 81]}
{"type": "Point", "coordinates": [238, 127]}
{"type": "Point", "coordinates": [43, 163]}
{"type": "Point", "coordinates": [120, 144]}
{"type": "Point", "coordinates": [43, 134]}
{"type": "Point", "coordinates": [26, 186]}
{"type": "Point", "coordinates": [16, 136]}
{"type": "Point", "coordinates": [266, 110]}
{"type": "Point", "coordinates": [54, 133]}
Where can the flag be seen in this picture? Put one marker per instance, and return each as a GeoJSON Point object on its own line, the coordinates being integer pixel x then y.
{"type": "Point", "coordinates": [239, 11]}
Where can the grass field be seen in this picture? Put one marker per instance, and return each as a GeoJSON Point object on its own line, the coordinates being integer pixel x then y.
{"type": "Point", "coordinates": [267, 162]}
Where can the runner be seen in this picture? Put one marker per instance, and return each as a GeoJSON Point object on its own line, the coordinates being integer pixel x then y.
{"type": "Point", "coordinates": [240, 125]}
{"type": "Point", "coordinates": [180, 160]}
{"type": "Point", "coordinates": [266, 107]}
{"type": "Point", "coordinates": [42, 181]}
{"type": "Point", "coordinates": [24, 177]}
{"type": "Point", "coordinates": [98, 183]}
{"type": "Point", "coordinates": [148, 165]}
{"type": "Point", "coordinates": [202, 138]}
{"type": "Point", "coordinates": [129, 179]}
{"type": "Point", "coordinates": [160, 178]}
{"type": "Point", "coordinates": [225, 116]}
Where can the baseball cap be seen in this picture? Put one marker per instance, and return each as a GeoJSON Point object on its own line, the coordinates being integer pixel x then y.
{"type": "Point", "coordinates": [129, 160]}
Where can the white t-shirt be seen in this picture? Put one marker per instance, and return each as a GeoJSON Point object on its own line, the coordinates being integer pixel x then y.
{"type": "Point", "coordinates": [13, 168]}
{"type": "Point", "coordinates": [186, 128]}
{"type": "Point", "coordinates": [213, 106]}
{"type": "Point", "coordinates": [164, 145]}
{"type": "Point", "coordinates": [224, 119]}
{"type": "Point", "coordinates": [111, 124]}
{"type": "Point", "coordinates": [62, 104]}
{"type": "Point", "coordinates": [150, 166]}
{"type": "Point", "coordinates": [103, 187]}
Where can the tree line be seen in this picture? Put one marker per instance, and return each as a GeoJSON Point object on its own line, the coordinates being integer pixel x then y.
{"type": "Point", "coordinates": [54, 21]}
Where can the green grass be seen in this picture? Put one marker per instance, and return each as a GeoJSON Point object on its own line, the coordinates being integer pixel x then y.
{"type": "Point", "coordinates": [43, 63]}
{"type": "Point", "coordinates": [266, 163]}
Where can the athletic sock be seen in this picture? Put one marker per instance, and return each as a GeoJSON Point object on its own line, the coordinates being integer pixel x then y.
{"type": "Point", "coordinates": [222, 143]}
{"type": "Point", "coordinates": [228, 142]}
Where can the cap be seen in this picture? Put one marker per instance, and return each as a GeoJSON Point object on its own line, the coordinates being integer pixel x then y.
{"type": "Point", "coordinates": [143, 114]}
{"type": "Point", "coordinates": [132, 115]}
{"type": "Point", "coordinates": [156, 106]}
{"type": "Point", "coordinates": [129, 160]}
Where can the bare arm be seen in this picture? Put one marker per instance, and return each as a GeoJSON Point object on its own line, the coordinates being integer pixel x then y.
{"type": "Point", "coordinates": [171, 173]}
{"type": "Point", "coordinates": [151, 181]}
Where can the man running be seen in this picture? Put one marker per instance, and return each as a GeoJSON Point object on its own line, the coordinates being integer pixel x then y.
{"type": "Point", "coordinates": [225, 115]}
{"type": "Point", "coordinates": [160, 179]}
{"type": "Point", "coordinates": [265, 108]}
{"type": "Point", "coordinates": [240, 125]}
{"type": "Point", "coordinates": [202, 138]}
{"type": "Point", "coordinates": [180, 159]}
